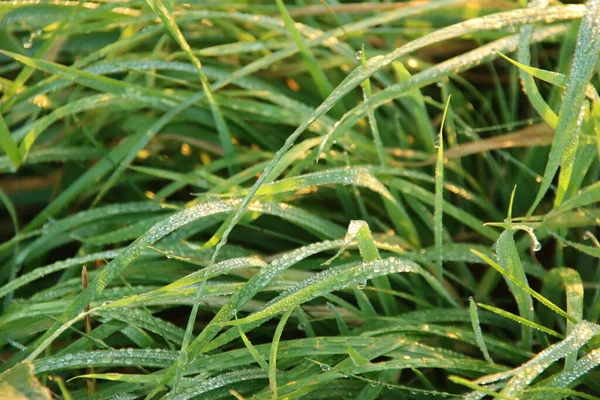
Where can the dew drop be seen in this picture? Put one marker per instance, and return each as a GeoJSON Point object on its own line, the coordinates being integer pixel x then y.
{"type": "Point", "coordinates": [106, 303]}
{"type": "Point", "coordinates": [233, 312]}
{"type": "Point", "coordinates": [358, 55]}
{"type": "Point", "coordinates": [361, 285]}
{"type": "Point", "coordinates": [535, 244]}
{"type": "Point", "coordinates": [325, 367]}
{"type": "Point", "coordinates": [301, 327]}
{"type": "Point", "coordinates": [27, 42]}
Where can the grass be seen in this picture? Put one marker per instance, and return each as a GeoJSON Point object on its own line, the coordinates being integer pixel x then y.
{"type": "Point", "coordinates": [280, 200]}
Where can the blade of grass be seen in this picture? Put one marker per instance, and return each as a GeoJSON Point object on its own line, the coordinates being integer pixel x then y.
{"type": "Point", "coordinates": [567, 129]}
{"type": "Point", "coordinates": [9, 146]}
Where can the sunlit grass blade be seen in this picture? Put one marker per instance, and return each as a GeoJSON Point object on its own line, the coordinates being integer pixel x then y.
{"type": "Point", "coordinates": [567, 129]}
{"type": "Point", "coordinates": [335, 279]}
{"type": "Point", "coordinates": [580, 335]}
{"type": "Point", "coordinates": [376, 63]}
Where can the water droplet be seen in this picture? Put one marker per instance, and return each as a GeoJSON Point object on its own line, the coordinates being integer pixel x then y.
{"type": "Point", "coordinates": [535, 244]}
{"type": "Point", "coordinates": [233, 312]}
{"type": "Point", "coordinates": [436, 141]}
{"type": "Point", "coordinates": [494, 51]}
{"type": "Point", "coordinates": [358, 55]}
{"type": "Point", "coordinates": [27, 42]}
{"type": "Point", "coordinates": [361, 285]}
{"type": "Point", "coordinates": [325, 367]}
{"type": "Point", "coordinates": [301, 326]}
{"type": "Point", "coordinates": [106, 303]}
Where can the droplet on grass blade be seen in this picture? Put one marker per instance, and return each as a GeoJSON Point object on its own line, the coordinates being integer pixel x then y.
{"type": "Point", "coordinates": [27, 42]}
{"type": "Point", "coordinates": [361, 285]}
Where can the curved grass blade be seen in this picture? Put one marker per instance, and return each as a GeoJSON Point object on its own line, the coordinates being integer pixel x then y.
{"type": "Point", "coordinates": [57, 266]}
{"type": "Point", "coordinates": [125, 258]}
{"type": "Point", "coordinates": [573, 286]}
{"type": "Point", "coordinates": [567, 129]}
{"type": "Point", "coordinates": [495, 21]}
{"type": "Point", "coordinates": [152, 358]}
{"type": "Point", "coordinates": [432, 75]}
{"type": "Point", "coordinates": [339, 278]}
{"type": "Point", "coordinates": [359, 231]}
{"type": "Point", "coordinates": [567, 377]}
{"type": "Point", "coordinates": [580, 335]}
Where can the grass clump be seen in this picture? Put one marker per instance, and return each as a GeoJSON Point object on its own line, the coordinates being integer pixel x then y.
{"type": "Point", "coordinates": [296, 200]}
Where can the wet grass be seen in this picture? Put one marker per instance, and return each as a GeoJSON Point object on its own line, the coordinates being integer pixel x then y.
{"type": "Point", "coordinates": [297, 200]}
